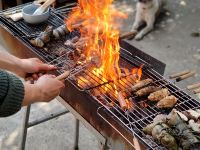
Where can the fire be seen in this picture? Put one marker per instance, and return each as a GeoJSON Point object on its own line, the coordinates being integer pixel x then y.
{"type": "Point", "coordinates": [97, 22]}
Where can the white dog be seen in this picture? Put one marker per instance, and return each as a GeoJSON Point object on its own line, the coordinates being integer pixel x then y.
{"type": "Point", "coordinates": [146, 11]}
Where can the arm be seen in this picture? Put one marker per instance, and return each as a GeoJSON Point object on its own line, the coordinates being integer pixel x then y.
{"type": "Point", "coordinates": [9, 62]}
{"type": "Point", "coordinates": [22, 66]}
{"type": "Point", "coordinates": [14, 93]}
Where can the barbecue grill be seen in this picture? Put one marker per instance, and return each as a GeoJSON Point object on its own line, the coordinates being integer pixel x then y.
{"type": "Point", "coordinates": [114, 127]}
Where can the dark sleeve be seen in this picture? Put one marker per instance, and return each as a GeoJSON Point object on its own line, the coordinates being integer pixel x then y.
{"type": "Point", "coordinates": [11, 94]}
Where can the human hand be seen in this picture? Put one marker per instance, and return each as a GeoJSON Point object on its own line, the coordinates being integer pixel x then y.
{"type": "Point", "coordinates": [46, 88]}
{"type": "Point", "coordinates": [33, 66]}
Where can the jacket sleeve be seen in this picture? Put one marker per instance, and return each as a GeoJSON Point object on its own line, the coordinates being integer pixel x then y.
{"type": "Point", "coordinates": [11, 94]}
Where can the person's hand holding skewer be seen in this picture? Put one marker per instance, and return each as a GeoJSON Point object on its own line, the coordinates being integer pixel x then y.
{"type": "Point", "coordinates": [33, 67]}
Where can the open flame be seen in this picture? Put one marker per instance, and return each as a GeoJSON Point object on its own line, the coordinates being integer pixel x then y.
{"type": "Point", "coordinates": [97, 22]}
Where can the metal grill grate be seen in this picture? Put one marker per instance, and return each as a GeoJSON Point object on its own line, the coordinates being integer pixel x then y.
{"type": "Point", "coordinates": [136, 119]}
{"type": "Point", "coordinates": [143, 111]}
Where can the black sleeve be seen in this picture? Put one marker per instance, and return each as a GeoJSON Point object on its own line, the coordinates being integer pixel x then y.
{"type": "Point", "coordinates": [11, 94]}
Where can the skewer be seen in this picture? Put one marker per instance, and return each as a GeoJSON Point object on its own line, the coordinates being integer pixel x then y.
{"type": "Point", "coordinates": [179, 74]}
{"type": "Point", "coordinates": [128, 35]}
{"type": "Point", "coordinates": [193, 86]}
{"type": "Point", "coordinates": [197, 91]}
{"type": "Point", "coordinates": [183, 77]}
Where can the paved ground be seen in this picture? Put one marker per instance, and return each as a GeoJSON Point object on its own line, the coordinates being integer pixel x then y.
{"type": "Point", "coordinates": [171, 42]}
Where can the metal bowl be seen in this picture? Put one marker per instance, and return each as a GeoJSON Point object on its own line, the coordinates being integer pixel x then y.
{"type": "Point", "coordinates": [28, 16]}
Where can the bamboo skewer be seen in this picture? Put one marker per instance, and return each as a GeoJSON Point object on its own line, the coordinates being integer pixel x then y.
{"type": "Point", "coordinates": [179, 74]}
{"type": "Point", "coordinates": [183, 77]}
{"type": "Point", "coordinates": [128, 35]}
{"type": "Point", "coordinates": [193, 86]}
{"type": "Point", "coordinates": [197, 91]}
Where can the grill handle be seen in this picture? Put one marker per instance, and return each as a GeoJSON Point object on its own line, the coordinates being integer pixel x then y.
{"type": "Point", "coordinates": [98, 112]}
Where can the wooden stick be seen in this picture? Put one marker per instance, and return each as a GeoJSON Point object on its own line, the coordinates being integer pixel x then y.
{"type": "Point", "coordinates": [63, 76]}
{"type": "Point", "coordinates": [43, 7]}
{"type": "Point", "coordinates": [179, 74]}
{"type": "Point", "coordinates": [128, 35]}
{"type": "Point", "coordinates": [197, 91]}
{"type": "Point", "coordinates": [193, 86]}
{"type": "Point", "coordinates": [183, 77]}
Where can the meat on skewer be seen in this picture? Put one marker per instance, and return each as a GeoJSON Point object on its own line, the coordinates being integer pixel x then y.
{"type": "Point", "coordinates": [167, 102]}
{"type": "Point", "coordinates": [60, 31]}
{"type": "Point", "coordinates": [158, 95]}
{"type": "Point", "coordinates": [43, 38]}
{"type": "Point", "coordinates": [122, 101]}
{"type": "Point", "coordinates": [147, 90]}
{"type": "Point", "coordinates": [141, 84]}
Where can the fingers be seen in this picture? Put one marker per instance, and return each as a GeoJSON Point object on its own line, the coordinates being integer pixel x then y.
{"type": "Point", "coordinates": [46, 67]}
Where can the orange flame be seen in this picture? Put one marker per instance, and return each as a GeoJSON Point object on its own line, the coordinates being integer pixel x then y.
{"type": "Point", "coordinates": [96, 22]}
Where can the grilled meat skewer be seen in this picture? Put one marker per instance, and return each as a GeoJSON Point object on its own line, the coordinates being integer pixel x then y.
{"type": "Point", "coordinates": [122, 101]}
{"type": "Point", "coordinates": [141, 84]}
{"type": "Point", "coordinates": [158, 95]}
{"type": "Point", "coordinates": [147, 90]}
{"type": "Point", "coordinates": [167, 102]}
{"type": "Point", "coordinates": [43, 38]}
{"type": "Point", "coordinates": [60, 32]}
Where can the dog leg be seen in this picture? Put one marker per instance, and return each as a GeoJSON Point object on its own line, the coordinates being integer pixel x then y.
{"type": "Point", "coordinates": [147, 29]}
{"type": "Point", "coordinates": [137, 23]}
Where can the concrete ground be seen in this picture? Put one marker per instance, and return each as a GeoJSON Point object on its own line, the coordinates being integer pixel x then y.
{"type": "Point", "coordinates": [171, 42]}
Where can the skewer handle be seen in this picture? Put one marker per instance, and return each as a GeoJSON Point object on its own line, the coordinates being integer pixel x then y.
{"type": "Point", "coordinates": [43, 7]}
{"type": "Point", "coordinates": [179, 74]}
{"type": "Point", "coordinates": [193, 86]}
{"type": "Point", "coordinates": [63, 76]}
{"type": "Point", "coordinates": [183, 77]}
{"type": "Point", "coordinates": [197, 91]}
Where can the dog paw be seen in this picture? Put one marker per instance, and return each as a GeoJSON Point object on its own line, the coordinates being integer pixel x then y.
{"type": "Point", "coordinates": [138, 37]}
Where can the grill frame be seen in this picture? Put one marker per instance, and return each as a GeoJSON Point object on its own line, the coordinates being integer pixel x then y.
{"type": "Point", "coordinates": [76, 94]}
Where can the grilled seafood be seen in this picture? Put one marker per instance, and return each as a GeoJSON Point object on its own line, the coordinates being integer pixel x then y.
{"type": "Point", "coordinates": [181, 131]}
{"type": "Point", "coordinates": [159, 131]}
{"type": "Point", "coordinates": [141, 84]}
{"type": "Point", "coordinates": [60, 32]}
{"type": "Point", "coordinates": [147, 90]}
{"type": "Point", "coordinates": [192, 114]}
{"type": "Point", "coordinates": [158, 95]}
{"type": "Point", "coordinates": [43, 37]}
{"type": "Point", "coordinates": [194, 126]}
{"type": "Point", "coordinates": [167, 102]}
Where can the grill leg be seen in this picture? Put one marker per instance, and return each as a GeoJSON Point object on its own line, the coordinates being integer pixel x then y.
{"type": "Point", "coordinates": [25, 127]}
{"type": "Point", "coordinates": [76, 135]}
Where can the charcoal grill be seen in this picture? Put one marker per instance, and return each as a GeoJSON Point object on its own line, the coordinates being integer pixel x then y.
{"type": "Point", "coordinates": [113, 126]}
